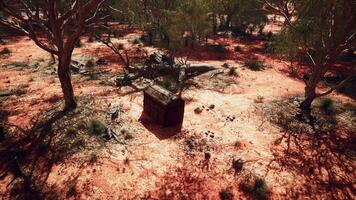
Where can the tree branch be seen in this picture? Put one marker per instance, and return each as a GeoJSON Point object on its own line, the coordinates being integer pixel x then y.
{"type": "Point", "coordinates": [337, 87]}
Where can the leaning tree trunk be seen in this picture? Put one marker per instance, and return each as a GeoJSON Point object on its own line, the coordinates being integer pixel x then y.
{"type": "Point", "coordinates": [66, 84]}
{"type": "Point", "coordinates": [310, 95]}
{"type": "Point", "coordinates": [310, 88]}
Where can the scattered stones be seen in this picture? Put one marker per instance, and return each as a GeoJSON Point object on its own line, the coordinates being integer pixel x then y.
{"type": "Point", "coordinates": [210, 134]}
{"type": "Point", "coordinates": [230, 118]}
{"type": "Point", "coordinates": [225, 65]}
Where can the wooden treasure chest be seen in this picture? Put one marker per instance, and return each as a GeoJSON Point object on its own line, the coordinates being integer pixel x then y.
{"type": "Point", "coordinates": [162, 106]}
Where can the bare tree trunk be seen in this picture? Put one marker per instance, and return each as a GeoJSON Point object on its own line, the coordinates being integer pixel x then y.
{"type": "Point", "coordinates": [310, 88]}
{"type": "Point", "coordinates": [66, 84]}
{"type": "Point", "coordinates": [310, 95]}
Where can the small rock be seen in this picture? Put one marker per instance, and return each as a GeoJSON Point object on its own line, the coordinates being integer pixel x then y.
{"type": "Point", "coordinates": [237, 164]}
{"type": "Point", "coordinates": [212, 106]}
{"type": "Point", "coordinates": [198, 110]}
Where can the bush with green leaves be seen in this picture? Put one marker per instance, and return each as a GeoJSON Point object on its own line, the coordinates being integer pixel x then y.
{"type": "Point", "coordinates": [255, 186]}
{"type": "Point", "coordinates": [255, 65]}
{"type": "Point", "coordinates": [238, 49]}
{"type": "Point", "coordinates": [136, 41]}
{"type": "Point", "coordinates": [97, 127]}
{"type": "Point", "coordinates": [327, 106]}
{"type": "Point", "coordinates": [232, 71]}
{"type": "Point", "coordinates": [169, 83]}
{"type": "Point", "coordinates": [126, 134]}
{"type": "Point", "coordinates": [90, 63]}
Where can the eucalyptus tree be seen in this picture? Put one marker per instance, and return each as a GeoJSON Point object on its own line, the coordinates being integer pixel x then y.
{"type": "Point", "coordinates": [55, 26]}
{"type": "Point", "coordinates": [322, 30]}
{"type": "Point", "coordinates": [240, 15]}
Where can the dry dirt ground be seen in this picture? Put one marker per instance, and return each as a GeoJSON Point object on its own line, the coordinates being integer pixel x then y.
{"type": "Point", "coordinates": [63, 160]}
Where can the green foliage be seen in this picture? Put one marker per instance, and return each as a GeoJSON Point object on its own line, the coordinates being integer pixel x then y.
{"type": "Point", "coordinates": [167, 22]}
{"type": "Point", "coordinates": [268, 47]}
{"type": "Point", "coordinates": [238, 49]}
{"type": "Point", "coordinates": [127, 135]}
{"type": "Point", "coordinates": [232, 71]}
{"type": "Point", "coordinates": [241, 15]}
{"type": "Point", "coordinates": [136, 41]}
{"type": "Point", "coordinates": [169, 83]}
{"type": "Point", "coordinates": [96, 127]}
{"type": "Point", "coordinates": [72, 189]}
{"type": "Point", "coordinates": [320, 28]}
{"type": "Point", "coordinates": [93, 158]}
{"type": "Point", "coordinates": [327, 106]}
{"type": "Point", "coordinates": [255, 65]}
{"type": "Point", "coordinates": [90, 63]}
{"type": "Point", "coordinates": [260, 190]}
{"type": "Point", "coordinates": [255, 186]}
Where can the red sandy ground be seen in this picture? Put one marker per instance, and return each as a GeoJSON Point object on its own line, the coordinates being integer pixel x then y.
{"type": "Point", "coordinates": [156, 163]}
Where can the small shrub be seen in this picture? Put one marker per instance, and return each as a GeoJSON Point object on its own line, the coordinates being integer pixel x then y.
{"type": "Point", "coordinates": [97, 127]}
{"type": "Point", "coordinates": [72, 189]}
{"type": "Point", "coordinates": [255, 186]}
{"type": "Point", "coordinates": [93, 158]}
{"type": "Point", "coordinates": [145, 39]}
{"type": "Point", "coordinates": [259, 99]}
{"type": "Point", "coordinates": [127, 135]}
{"type": "Point", "coordinates": [78, 144]}
{"type": "Point", "coordinates": [255, 65]}
{"type": "Point", "coordinates": [293, 72]}
{"type": "Point", "coordinates": [268, 48]}
{"type": "Point", "coordinates": [92, 76]}
{"type": "Point", "coordinates": [226, 194]}
{"type": "Point", "coordinates": [120, 46]}
{"type": "Point", "coordinates": [5, 51]}
{"type": "Point", "coordinates": [126, 161]}
{"type": "Point", "coordinates": [90, 63]}
{"type": "Point", "coordinates": [71, 132]}
{"type": "Point", "coordinates": [260, 190]}
{"type": "Point", "coordinates": [327, 106]}
{"type": "Point", "coordinates": [269, 35]}
{"type": "Point", "coordinates": [168, 84]}
{"type": "Point", "coordinates": [237, 145]}
{"type": "Point", "coordinates": [136, 41]}
{"type": "Point", "coordinates": [238, 49]}
{"type": "Point", "coordinates": [232, 71]}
